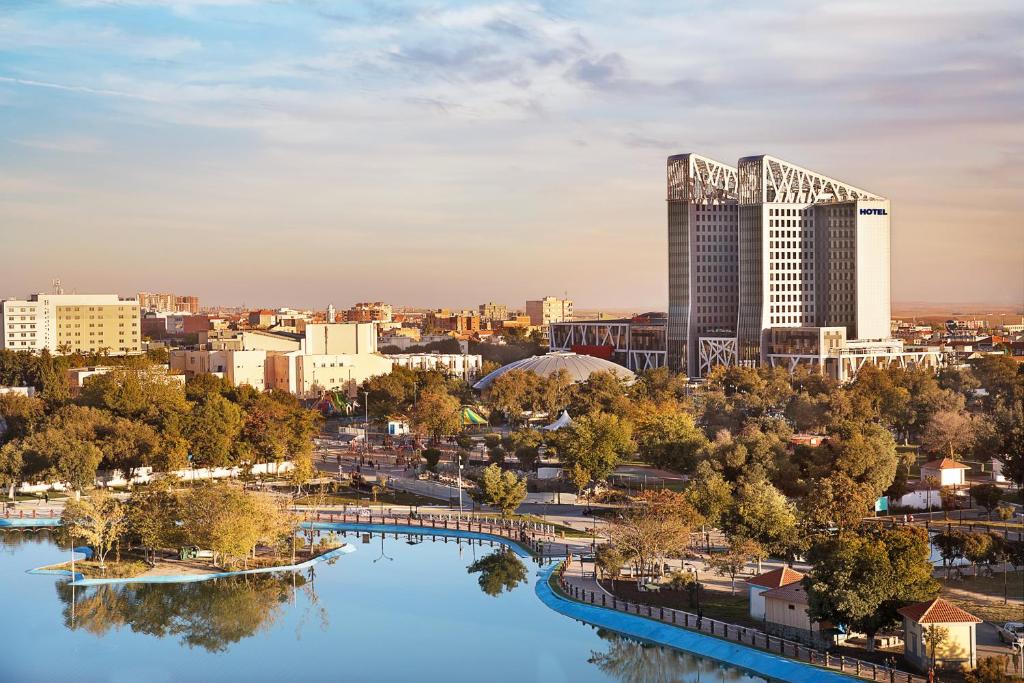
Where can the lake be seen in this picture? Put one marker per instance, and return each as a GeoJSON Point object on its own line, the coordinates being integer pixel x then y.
{"type": "Point", "coordinates": [400, 608]}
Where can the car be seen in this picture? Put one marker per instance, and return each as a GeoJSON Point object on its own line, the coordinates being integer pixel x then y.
{"type": "Point", "coordinates": [1011, 632]}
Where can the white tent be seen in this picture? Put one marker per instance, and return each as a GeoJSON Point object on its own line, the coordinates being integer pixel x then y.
{"type": "Point", "coordinates": [563, 421]}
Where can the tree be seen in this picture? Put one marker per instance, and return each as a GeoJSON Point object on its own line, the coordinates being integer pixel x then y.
{"type": "Point", "coordinates": [762, 514]}
{"type": "Point", "coordinates": [503, 490]}
{"type": "Point", "coordinates": [436, 413]}
{"type": "Point", "coordinates": [99, 520]}
{"type": "Point", "coordinates": [500, 571]}
{"type": "Point", "coordinates": [609, 560]}
{"type": "Point", "coordinates": [12, 466]}
{"type": "Point", "coordinates": [989, 670]}
{"type": "Point", "coordinates": [19, 416]}
{"type": "Point", "coordinates": [597, 442]}
{"type": "Point", "coordinates": [934, 637]}
{"type": "Point", "coordinates": [227, 520]}
{"type": "Point", "coordinates": [432, 456]}
{"type": "Point", "coordinates": [555, 392]}
{"type": "Point", "coordinates": [987, 496]}
{"type": "Point", "coordinates": [951, 547]}
{"type": "Point", "coordinates": [860, 578]}
{"type": "Point", "coordinates": [603, 391]}
{"type": "Point", "coordinates": [151, 515]}
{"type": "Point", "coordinates": [212, 429]}
{"type": "Point", "coordinates": [666, 435]}
{"type": "Point", "coordinates": [302, 471]}
{"type": "Point", "coordinates": [740, 553]}
{"type": "Point", "coordinates": [710, 494]}
{"type": "Point", "coordinates": [655, 526]}
{"type": "Point", "coordinates": [977, 548]}
{"type": "Point", "coordinates": [949, 433]}
{"type": "Point", "coordinates": [864, 452]}
{"type": "Point", "coordinates": [580, 477]}
{"type": "Point", "coordinates": [513, 392]}
{"type": "Point", "coordinates": [836, 502]}
{"type": "Point", "coordinates": [525, 443]}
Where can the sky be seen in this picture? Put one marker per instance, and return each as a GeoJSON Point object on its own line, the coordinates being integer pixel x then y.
{"type": "Point", "coordinates": [449, 153]}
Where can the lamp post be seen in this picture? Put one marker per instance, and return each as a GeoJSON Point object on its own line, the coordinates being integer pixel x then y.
{"type": "Point", "coordinates": [366, 422]}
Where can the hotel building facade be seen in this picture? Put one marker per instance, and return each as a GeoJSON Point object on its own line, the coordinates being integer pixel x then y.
{"type": "Point", "coordinates": [72, 323]}
{"type": "Point", "coordinates": [766, 258]}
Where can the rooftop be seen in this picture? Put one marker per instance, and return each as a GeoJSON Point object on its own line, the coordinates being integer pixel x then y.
{"type": "Point", "coordinates": [938, 611]}
{"type": "Point", "coordinates": [793, 592]}
{"type": "Point", "coordinates": [945, 464]}
{"type": "Point", "coordinates": [776, 578]}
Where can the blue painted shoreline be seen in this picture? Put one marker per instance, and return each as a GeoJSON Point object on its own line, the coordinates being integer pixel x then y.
{"type": "Point", "coordinates": [77, 579]}
{"type": "Point", "coordinates": [753, 660]}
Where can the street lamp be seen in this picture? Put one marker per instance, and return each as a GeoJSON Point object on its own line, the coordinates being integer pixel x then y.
{"type": "Point", "coordinates": [366, 422]}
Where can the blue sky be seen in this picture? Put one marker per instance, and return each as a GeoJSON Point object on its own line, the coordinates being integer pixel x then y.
{"type": "Point", "coordinates": [434, 153]}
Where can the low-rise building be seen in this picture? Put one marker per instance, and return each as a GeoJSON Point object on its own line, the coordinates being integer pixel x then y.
{"type": "Point", "coordinates": [946, 471]}
{"type": "Point", "coordinates": [957, 650]}
{"type": "Point", "coordinates": [760, 584]}
{"type": "Point", "coordinates": [492, 312]}
{"type": "Point", "coordinates": [466, 366]}
{"type": "Point", "coordinates": [786, 615]}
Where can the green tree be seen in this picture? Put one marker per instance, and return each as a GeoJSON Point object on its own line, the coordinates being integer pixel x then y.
{"type": "Point", "coordinates": [666, 435]}
{"type": "Point", "coordinates": [861, 578]}
{"type": "Point", "coordinates": [987, 496]}
{"type": "Point", "coordinates": [212, 428]}
{"type": "Point", "coordinates": [499, 571]}
{"type": "Point", "coordinates": [514, 392]}
{"type": "Point", "coordinates": [99, 520]}
{"type": "Point", "coordinates": [503, 490]}
{"type": "Point", "coordinates": [19, 416]}
{"type": "Point", "coordinates": [555, 392]}
{"type": "Point", "coordinates": [951, 547]}
{"type": "Point", "coordinates": [836, 502]}
{"type": "Point", "coordinates": [710, 494]}
{"type": "Point", "coordinates": [603, 391]}
{"type": "Point", "coordinates": [762, 514]}
{"type": "Point", "coordinates": [12, 467]}
{"type": "Point", "coordinates": [655, 526]}
{"type": "Point", "coordinates": [597, 442]}
{"type": "Point", "coordinates": [432, 456]}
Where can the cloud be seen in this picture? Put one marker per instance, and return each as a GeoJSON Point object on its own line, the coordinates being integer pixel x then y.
{"type": "Point", "coordinates": [78, 144]}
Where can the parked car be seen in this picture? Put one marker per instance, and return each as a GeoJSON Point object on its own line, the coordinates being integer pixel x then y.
{"type": "Point", "coordinates": [1011, 632]}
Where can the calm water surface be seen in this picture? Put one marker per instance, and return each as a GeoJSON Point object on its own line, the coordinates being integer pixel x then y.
{"type": "Point", "coordinates": [401, 610]}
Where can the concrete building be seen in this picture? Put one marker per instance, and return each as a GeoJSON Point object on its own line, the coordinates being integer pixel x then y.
{"type": "Point", "coordinates": [466, 366]}
{"type": "Point", "coordinates": [946, 471]}
{"type": "Point", "coordinates": [636, 343]}
{"type": "Point", "coordinates": [238, 367]}
{"type": "Point", "coordinates": [168, 303]}
{"type": "Point", "coordinates": [550, 309]}
{"type": "Point", "coordinates": [368, 312]}
{"type": "Point", "coordinates": [959, 650]}
{"type": "Point", "coordinates": [464, 322]}
{"type": "Point", "coordinates": [786, 615]}
{"type": "Point", "coordinates": [72, 323]}
{"type": "Point", "coordinates": [492, 312]}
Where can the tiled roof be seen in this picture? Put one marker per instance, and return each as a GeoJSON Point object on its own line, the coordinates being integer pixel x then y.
{"type": "Point", "coordinates": [776, 578]}
{"type": "Point", "coordinates": [945, 464]}
{"type": "Point", "coordinates": [793, 592]}
{"type": "Point", "coordinates": [938, 611]}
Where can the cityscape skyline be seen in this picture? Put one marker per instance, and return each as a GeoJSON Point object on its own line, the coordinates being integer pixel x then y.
{"type": "Point", "coordinates": [512, 144]}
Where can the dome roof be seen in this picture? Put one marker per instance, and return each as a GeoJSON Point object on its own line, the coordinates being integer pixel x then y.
{"type": "Point", "coordinates": [578, 365]}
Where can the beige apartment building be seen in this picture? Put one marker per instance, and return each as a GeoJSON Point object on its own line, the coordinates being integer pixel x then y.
{"type": "Point", "coordinates": [72, 323]}
{"type": "Point", "coordinates": [549, 310]}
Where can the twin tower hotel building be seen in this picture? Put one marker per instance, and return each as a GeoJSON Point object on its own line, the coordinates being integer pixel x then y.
{"type": "Point", "coordinates": [774, 264]}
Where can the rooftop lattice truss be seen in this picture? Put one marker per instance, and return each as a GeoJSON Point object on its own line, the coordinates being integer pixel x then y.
{"type": "Point", "coordinates": [767, 179]}
{"type": "Point", "coordinates": [693, 178]}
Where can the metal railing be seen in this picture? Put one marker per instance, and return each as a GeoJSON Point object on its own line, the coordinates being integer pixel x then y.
{"type": "Point", "coordinates": [740, 634]}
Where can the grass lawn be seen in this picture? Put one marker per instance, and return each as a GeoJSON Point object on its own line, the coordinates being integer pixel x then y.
{"type": "Point", "coordinates": [983, 595]}
{"type": "Point", "coordinates": [715, 604]}
{"type": "Point", "coordinates": [129, 566]}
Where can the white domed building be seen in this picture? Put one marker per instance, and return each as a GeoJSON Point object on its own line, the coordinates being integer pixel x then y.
{"type": "Point", "coordinates": [579, 367]}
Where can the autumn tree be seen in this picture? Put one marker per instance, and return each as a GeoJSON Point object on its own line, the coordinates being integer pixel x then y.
{"type": "Point", "coordinates": [436, 413]}
{"type": "Point", "coordinates": [761, 513]}
{"type": "Point", "coordinates": [100, 520]}
{"type": "Point", "coordinates": [710, 494]}
{"type": "Point", "coordinates": [655, 526]}
{"type": "Point", "coordinates": [948, 433]}
{"type": "Point", "coordinates": [741, 552]}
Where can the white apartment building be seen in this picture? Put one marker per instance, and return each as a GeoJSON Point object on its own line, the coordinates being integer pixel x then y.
{"type": "Point", "coordinates": [549, 310]}
{"type": "Point", "coordinates": [70, 323]}
{"type": "Point", "coordinates": [770, 245]}
{"type": "Point", "coordinates": [466, 366]}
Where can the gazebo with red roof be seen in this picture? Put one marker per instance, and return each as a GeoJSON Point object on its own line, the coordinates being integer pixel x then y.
{"type": "Point", "coordinates": [946, 471]}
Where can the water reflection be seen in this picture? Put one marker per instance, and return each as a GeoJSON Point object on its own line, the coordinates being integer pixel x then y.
{"type": "Point", "coordinates": [211, 614]}
{"type": "Point", "coordinates": [632, 661]}
{"type": "Point", "coordinates": [500, 571]}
